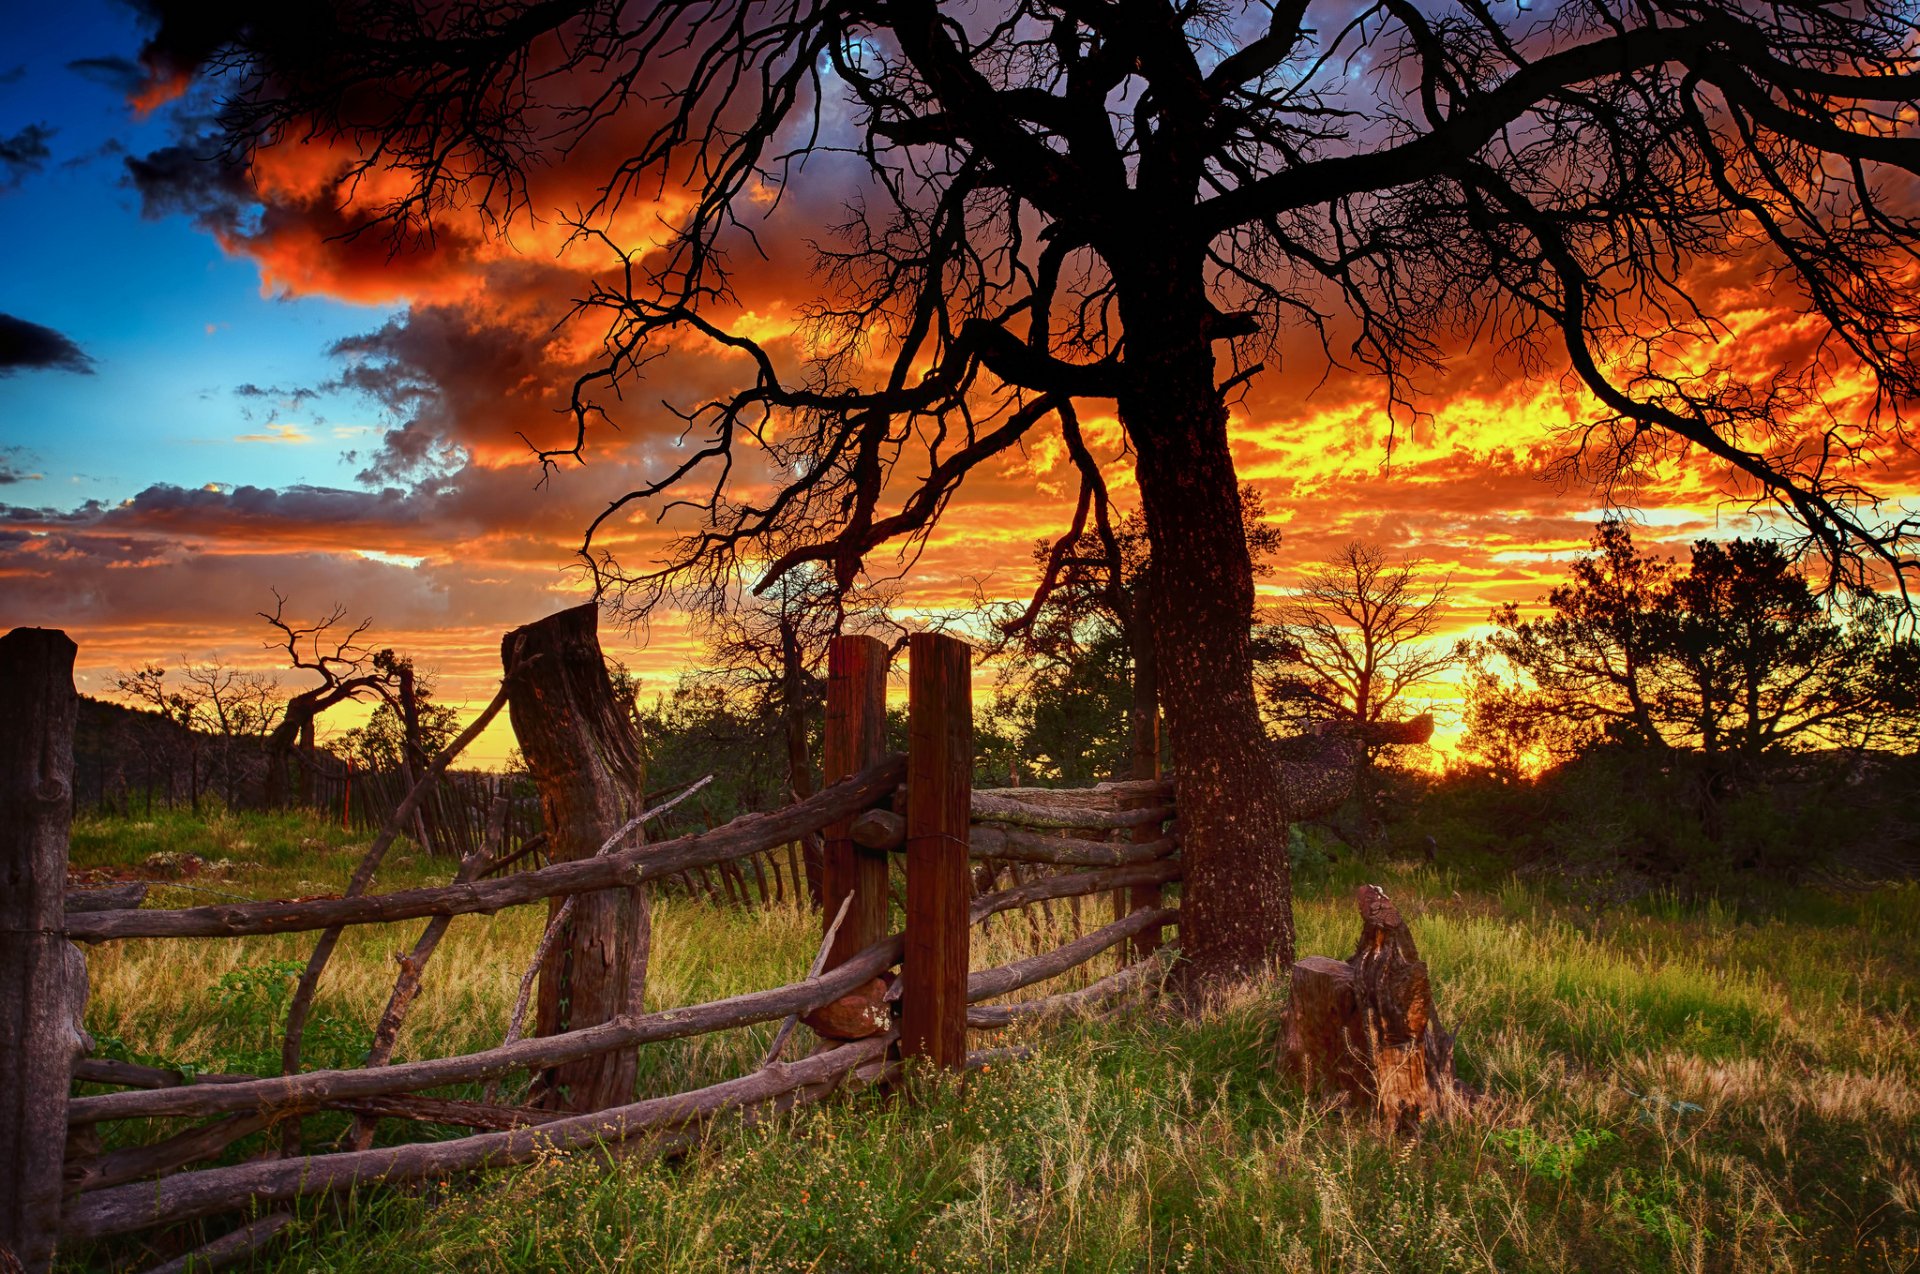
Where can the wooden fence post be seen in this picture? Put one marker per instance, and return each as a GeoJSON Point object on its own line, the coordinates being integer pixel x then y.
{"type": "Point", "coordinates": [933, 1009]}
{"type": "Point", "coordinates": [584, 755]}
{"type": "Point", "coordinates": [39, 968]}
{"type": "Point", "coordinates": [855, 738]}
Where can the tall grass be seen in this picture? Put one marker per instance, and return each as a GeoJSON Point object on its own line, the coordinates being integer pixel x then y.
{"type": "Point", "coordinates": [1670, 1086]}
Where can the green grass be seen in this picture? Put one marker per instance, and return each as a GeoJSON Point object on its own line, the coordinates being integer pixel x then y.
{"type": "Point", "coordinates": [1667, 1086]}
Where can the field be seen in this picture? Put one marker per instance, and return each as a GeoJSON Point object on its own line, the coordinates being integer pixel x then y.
{"type": "Point", "coordinates": [1666, 1086]}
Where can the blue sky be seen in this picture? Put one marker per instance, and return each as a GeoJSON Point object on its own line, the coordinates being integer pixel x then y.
{"type": "Point", "coordinates": [173, 324]}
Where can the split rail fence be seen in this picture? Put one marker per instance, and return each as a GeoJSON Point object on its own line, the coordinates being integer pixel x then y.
{"type": "Point", "coordinates": [1118, 841]}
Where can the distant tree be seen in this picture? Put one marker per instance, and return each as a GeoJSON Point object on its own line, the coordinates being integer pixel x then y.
{"type": "Point", "coordinates": [768, 653]}
{"type": "Point", "coordinates": [1735, 657]}
{"type": "Point", "coordinates": [1088, 622]}
{"type": "Point", "coordinates": [394, 737]}
{"type": "Point", "coordinates": [347, 670]}
{"type": "Point", "coordinates": [1350, 643]}
{"type": "Point", "coordinates": [236, 708]}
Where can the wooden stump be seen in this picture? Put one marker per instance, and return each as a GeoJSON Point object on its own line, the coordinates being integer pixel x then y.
{"type": "Point", "coordinates": [1366, 1027]}
{"type": "Point", "coordinates": [584, 755]}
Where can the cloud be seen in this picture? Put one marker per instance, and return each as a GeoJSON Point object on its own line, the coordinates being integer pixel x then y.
{"type": "Point", "coordinates": [11, 460]}
{"type": "Point", "coordinates": [194, 177]}
{"type": "Point", "coordinates": [23, 154]}
{"type": "Point", "coordinates": [28, 346]}
{"type": "Point", "coordinates": [123, 75]}
{"type": "Point", "coordinates": [277, 432]}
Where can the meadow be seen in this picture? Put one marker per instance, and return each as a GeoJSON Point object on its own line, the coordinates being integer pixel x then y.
{"type": "Point", "coordinates": [1671, 1084]}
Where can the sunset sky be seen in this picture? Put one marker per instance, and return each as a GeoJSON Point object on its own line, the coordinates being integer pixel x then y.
{"type": "Point", "coordinates": [207, 395]}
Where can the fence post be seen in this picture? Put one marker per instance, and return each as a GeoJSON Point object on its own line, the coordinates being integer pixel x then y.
{"type": "Point", "coordinates": [855, 738]}
{"type": "Point", "coordinates": [933, 1009]}
{"type": "Point", "coordinates": [38, 966]}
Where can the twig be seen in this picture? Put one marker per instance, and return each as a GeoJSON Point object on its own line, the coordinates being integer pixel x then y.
{"type": "Point", "coordinates": [413, 967]}
{"type": "Point", "coordinates": [813, 971]}
{"type": "Point", "coordinates": [362, 877]}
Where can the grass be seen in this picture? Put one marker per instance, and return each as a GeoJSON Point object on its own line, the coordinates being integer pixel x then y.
{"type": "Point", "coordinates": [1672, 1085]}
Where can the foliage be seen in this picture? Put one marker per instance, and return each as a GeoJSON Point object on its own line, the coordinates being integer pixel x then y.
{"type": "Point", "coordinates": [1073, 660]}
{"type": "Point", "coordinates": [1733, 656]}
{"type": "Point", "coordinates": [381, 742]}
{"type": "Point", "coordinates": [699, 728]}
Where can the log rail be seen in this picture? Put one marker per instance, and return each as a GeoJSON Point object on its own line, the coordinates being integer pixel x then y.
{"type": "Point", "coordinates": [1101, 841]}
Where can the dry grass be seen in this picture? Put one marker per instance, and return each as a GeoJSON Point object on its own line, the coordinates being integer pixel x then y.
{"type": "Point", "coordinates": [1671, 1087]}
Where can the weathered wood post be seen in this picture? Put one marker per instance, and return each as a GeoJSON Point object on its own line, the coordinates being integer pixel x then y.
{"type": "Point", "coordinates": [933, 1008]}
{"type": "Point", "coordinates": [42, 975]}
{"type": "Point", "coordinates": [584, 755]}
{"type": "Point", "coordinates": [856, 737]}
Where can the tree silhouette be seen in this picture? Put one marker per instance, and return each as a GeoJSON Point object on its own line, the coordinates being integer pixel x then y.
{"type": "Point", "coordinates": [1092, 199]}
{"type": "Point", "coordinates": [1352, 640]}
{"type": "Point", "coordinates": [1733, 657]}
{"type": "Point", "coordinates": [330, 650]}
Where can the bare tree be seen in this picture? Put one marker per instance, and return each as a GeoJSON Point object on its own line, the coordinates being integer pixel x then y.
{"type": "Point", "coordinates": [347, 670]}
{"type": "Point", "coordinates": [1354, 638]}
{"type": "Point", "coordinates": [771, 649]}
{"type": "Point", "coordinates": [235, 707]}
{"type": "Point", "coordinates": [1066, 200]}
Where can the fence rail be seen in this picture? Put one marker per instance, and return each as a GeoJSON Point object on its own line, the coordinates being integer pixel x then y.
{"type": "Point", "coordinates": [924, 796]}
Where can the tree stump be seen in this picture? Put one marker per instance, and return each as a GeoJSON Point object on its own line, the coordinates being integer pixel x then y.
{"type": "Point", "coordinates": [584, 755]}
{"type": "Point", "coordinates": [1366, 1027]}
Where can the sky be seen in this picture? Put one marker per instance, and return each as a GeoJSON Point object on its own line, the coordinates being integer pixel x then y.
{"type": "Point", "coordinates": [208, 396]}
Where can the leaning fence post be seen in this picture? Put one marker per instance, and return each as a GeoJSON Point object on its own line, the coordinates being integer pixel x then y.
{"type": "Point", "coordinates": [933, 1009]}
{"type": "Point", "coordinates": [38, 966]}
{"type": "Point", "coordinates": [855, 738]}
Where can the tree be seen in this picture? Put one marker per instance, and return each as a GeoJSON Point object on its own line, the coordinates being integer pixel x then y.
{"type": "Point", "coordinates": [767, 654]}
{"type": "Point", "coordinates": [236, 707]}
{"type": "Point", "coordinates": [1734, 658]}
{"type": "Point", "coordinates": [392, 735]}
{"type": "Point", "coordinates": [1350, 643]}
{"type": "Point", "coordinates": [1085, 199]}
{"type": "Point", "coordinates": [1079, 655]}
{"type": "Point", "coordinates": [346, 669]}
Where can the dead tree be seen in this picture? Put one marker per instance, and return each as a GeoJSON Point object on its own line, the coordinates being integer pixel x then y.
{"type": "Point", "coordinates": [583, 753]}
{"type": "Point", "coordinates": [1366, 1027]}
{"type": "Point", "coordinates": [346, 670]}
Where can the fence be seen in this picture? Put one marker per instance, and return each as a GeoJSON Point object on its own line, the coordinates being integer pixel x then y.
{"type": "Point", "coordinates": [919, 806]}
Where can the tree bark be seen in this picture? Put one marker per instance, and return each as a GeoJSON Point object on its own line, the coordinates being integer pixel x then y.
{"type": "Point", "coordinates": [43, 977]}
{"type": "Point", "coordinates": [1236, 915]}
{"type": "Point", "coordinates": [1366, 1027]}
{"type": "Point", "coordinates": [584, 758]}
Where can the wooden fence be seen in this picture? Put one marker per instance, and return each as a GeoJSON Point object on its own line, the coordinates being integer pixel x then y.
{"type": "Point", "coordinates": [956, 844]}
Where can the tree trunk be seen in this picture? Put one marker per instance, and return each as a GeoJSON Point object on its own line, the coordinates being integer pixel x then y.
{"type": "Point", "coordinates": [307, 750]}
{"type": "Point", "coordinates": [793, 722]}
{"type": "Point", "coordinates": [584, 758]}
{"type": "Point", "coordinates": [417, 758]}
{"type": "Point", "coordinates": [296, 721]}
{"type": "Point", "coordinates": [1236, 916]}
{"type": "Point", "coordinates": [1144, 723]}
